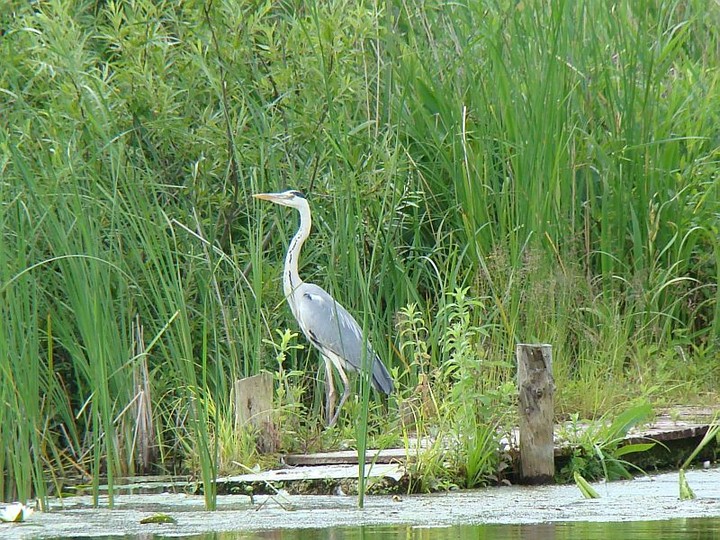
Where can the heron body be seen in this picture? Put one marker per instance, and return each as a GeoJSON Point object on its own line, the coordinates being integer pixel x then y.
{"type": "Point", "coordinates": [325, 323]}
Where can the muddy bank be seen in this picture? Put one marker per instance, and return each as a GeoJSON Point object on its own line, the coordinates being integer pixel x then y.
{"type": "Point", "coordinates": [645, 498]}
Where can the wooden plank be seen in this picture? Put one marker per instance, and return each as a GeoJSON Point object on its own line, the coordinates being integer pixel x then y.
{"type": "Point", "coordinates": [536, 390]}
{"type": "Point", "coordinates": [318, 472]}
{"type": "Point", "coordinates": [663, 432]}
{"type": "Point", "coordinates": [390, 455]}
{"type": "Point", "coordinates": [253, 408]}
{"type": "Point", "coordinates": [664, 428]}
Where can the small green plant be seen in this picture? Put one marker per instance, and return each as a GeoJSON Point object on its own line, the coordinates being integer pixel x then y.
{"type": "Point", "coordinates": [291, 411]}
{"type": "Point", "coordinates": [418, 405]}
{"type": "Point", "coordinates": [464, 429]}
{"type": "Point", "coordinates": [584, 486]}
{"type": "Point", "coordinates": [713, 432]}
{"type": "Point", "coordinates": [598, 447]}
{"type": "Point", "coordinates": [414, 339]}
{"type": "Point", "coordinates": [481, 393]}
{"type": "Point", "coordinates": [686, 492]}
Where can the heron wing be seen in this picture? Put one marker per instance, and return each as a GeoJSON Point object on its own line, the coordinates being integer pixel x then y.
{"type": "Point", "coordinates": [332, 329]}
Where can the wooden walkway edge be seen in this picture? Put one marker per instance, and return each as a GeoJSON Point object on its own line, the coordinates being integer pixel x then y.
{"type": "Point", "coordinates": [326, 468]}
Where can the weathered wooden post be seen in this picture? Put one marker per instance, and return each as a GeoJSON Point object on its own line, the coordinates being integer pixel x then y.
{"type": "Point", "coordinates": [253, 407]}
{"type": "Point", "coordinates": [536, 387]}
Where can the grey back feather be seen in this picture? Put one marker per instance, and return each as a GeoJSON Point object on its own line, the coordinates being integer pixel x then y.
{"type": "Point", "coordinates": [330, 327]}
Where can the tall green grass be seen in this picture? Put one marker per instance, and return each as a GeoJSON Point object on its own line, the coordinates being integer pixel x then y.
{"type": "Point", "coordinates": [558, 161]}
{"type": "Point", "coordinates": [564, 135]}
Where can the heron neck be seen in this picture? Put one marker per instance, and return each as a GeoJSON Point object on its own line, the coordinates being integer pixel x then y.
{"type": "Point", "coordinates": [291, 278]}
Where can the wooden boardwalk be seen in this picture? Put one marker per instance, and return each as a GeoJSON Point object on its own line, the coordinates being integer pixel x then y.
{"type": "Point", "coordinates": [687, 425]}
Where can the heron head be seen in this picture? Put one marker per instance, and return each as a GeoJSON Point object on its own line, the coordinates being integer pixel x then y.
{"type": "Point", "coordinates": [290, 197]}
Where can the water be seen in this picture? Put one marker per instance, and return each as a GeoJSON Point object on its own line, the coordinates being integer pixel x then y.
{"type": "Point", "coordinates": [638, 508]}
{"type": "Point", "coordinates": [684, 528]}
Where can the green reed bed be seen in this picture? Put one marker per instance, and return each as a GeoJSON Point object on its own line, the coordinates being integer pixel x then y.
{"type": "Point", "coordinates": [480, 173]}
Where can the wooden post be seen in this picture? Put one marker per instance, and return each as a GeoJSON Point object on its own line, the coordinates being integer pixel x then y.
{"type": "Point", "coordinates": [536, 387]}
{"type": "Point", "coordinates": [253, 408]}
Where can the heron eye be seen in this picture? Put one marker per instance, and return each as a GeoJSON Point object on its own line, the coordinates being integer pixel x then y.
{"type": "Point", "coordinates": [296, 193]}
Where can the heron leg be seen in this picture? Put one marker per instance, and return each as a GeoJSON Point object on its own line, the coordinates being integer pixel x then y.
{"type": "Point", "coordinates": [346, 393]}
{"type": "Point", "coordinates": [329, 393]}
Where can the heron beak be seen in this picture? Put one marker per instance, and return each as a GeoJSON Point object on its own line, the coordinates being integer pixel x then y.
{"type": "Point", "coordinates": [265, 196]}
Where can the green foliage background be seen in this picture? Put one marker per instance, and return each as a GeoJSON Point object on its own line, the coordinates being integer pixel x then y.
{"type": "Point", "coordinates": [559, 160]}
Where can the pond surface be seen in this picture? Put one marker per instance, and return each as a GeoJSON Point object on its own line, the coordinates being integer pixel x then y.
{"type": "Point", "coordinates": [651, 530]}
{"type": "Point", "coordinates": [646, 507]}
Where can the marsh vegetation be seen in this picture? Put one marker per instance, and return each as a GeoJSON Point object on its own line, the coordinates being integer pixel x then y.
{"type": "Point", "coordinates": [481, 173]}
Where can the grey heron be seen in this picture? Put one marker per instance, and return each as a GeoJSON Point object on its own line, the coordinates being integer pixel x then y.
{"type": "Point", "coordinates": [325, 323]}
